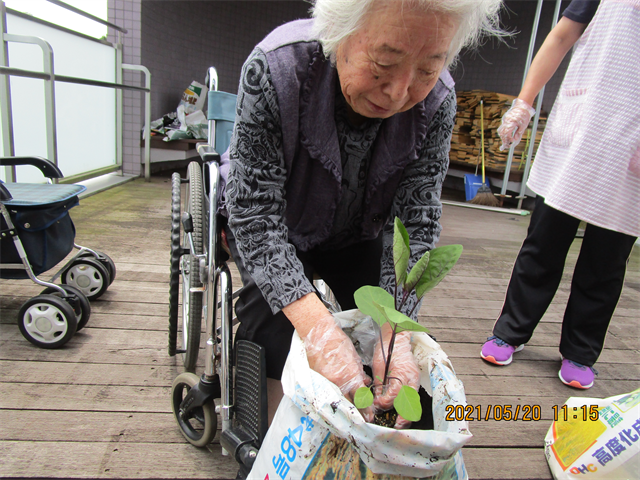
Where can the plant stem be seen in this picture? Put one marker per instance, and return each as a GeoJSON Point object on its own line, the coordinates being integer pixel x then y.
{"type": "Point", "coordinates": [392, 341]}
{"type": "Point", "coordinates": [414, 307]}
{"type": "Point", "coordinates": [395, 296]}
{"type": "Point", "coordinates": [384, 358]}
{"type": "Point", "coordinates": [405, 297]}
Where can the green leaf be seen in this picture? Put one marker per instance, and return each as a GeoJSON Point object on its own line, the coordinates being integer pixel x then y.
{"type": "Point", "coordinates": [401, 251]}
{"type": "Point", "coordinates": [363, 398]}
{"type": "Point", "coordinates": [416, 272]}
{"type": "Point", "coordinates": [368, 297]}
{"type": "Point", "coordinates": [403, 322]}
{"type": "Point", "coordinates": [441, 261]}
{"type": "Point", "coordinates": [407, 404]}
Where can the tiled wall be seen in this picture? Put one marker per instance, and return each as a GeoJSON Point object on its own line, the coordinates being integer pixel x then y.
{"type": "Point", "coordinates": [126, 13]}
{"type": "Point", "coordinates": [179, 39]}
{"type": "Point", "coordinates": [182, 39]}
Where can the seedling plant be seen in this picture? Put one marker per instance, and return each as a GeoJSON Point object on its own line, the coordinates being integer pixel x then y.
{"type": "Point", "coordinates": [383, 308]}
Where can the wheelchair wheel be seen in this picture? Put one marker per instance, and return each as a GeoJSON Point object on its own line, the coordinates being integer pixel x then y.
{"type": "Point", "coordinates": [89, 275]}
{"type": "Point", "coordinates": [105, 260]}
{"type": "Point", "coordinates": [192, 301]}
{"type": "Point", "coordinates": [80, 303]}
{"type": "Point", "coordinates": [200, 425]}
{"type": "Point", "coordinates": [47, 321]}
{"type": "Point", "coordinates": [174, 274]}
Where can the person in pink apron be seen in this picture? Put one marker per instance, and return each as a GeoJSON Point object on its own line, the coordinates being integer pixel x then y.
{"type": "Point", "coordinates": [586, 169]}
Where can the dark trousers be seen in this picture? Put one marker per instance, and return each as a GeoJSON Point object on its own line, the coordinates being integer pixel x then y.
{"type": "Point", "coordinates": [343, 270]}
{"type": "Point", "coordinates": [595, 287]}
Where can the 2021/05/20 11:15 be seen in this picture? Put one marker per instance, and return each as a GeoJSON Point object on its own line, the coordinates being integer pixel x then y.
{"type": "Point", "coordinates": [510, 412]}
{"type": "Point", "coordinates": [587, 412]}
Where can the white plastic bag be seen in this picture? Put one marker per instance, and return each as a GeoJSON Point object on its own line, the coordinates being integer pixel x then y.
{"type": "Point", "coordinates": [595, 438]}
{"type": "Point", "coordinates": [315, 423]}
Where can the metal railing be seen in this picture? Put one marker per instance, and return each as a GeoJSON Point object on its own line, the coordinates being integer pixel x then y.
{"type": "Point", "coordinates": [50, 77]}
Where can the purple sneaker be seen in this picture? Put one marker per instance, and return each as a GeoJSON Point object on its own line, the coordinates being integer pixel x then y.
{"type": "Point", "coordinates": [497, 351]}
{"type": "Point", "coordinates": [576, 375]}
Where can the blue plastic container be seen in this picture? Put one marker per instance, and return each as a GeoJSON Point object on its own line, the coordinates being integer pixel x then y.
{"type": "Point", "coordinates": [472, 184]}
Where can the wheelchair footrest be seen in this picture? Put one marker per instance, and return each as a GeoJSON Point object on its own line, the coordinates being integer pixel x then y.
{"type": "Point", "coordinates": [251, 410]}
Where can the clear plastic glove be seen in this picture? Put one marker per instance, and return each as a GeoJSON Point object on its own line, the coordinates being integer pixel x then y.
{"type": "Point", "coordinates": [514, 123]}
{"type": "Point", "coordinates": [331, 353]}
{"type": "Point", "coordinates": [404, 368]}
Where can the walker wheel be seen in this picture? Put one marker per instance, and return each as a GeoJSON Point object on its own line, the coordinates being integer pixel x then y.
{"type": "Point", "coordinates": [47, 321]}
{"type": "Point", "coordinates": [105, 260]}
{"type": "Point", "coordinates": [78, 301]}
{"type": "Point", "coordinates": [88, 275]}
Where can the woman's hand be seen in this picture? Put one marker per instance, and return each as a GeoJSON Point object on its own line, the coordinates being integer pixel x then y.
{"type": "Point", "coordinates": [329, 350]}
{"type": "Point", "coordinates": [403, 367]}
{"type": "Point", "coordinates": [514, 123]}
{"type": "Point", "coordinates": [331, 353]}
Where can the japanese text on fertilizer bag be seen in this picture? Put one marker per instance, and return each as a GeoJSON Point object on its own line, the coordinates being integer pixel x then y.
{"type": "Point", "coordinates": [288, 447]}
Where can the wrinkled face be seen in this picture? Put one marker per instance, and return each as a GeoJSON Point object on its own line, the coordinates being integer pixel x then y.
{"type": "Point", "coordinates": [393, 61]}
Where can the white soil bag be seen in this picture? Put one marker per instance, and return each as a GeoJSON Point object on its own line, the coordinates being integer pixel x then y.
{"type": "Point", "coordinates": [318, 434]}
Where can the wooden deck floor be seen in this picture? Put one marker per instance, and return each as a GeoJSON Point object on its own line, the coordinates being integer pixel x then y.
{"type": "Point", "coordinates": [99, 407]}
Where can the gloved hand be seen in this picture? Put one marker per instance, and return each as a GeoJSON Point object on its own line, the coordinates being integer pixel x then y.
{"type": "Point", "coordinates": [331, 353]}
{"type": "Point", "coordinates": [514, 123]}
{"type": "Point", "coordinates": [404, 368]}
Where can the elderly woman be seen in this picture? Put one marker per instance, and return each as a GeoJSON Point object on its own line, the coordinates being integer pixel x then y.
{"type": "Point", "coordinates": [343, 123]}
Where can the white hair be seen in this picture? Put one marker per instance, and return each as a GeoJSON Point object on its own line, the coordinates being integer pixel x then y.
{"type": "Point", "coordinates": [335, 20]}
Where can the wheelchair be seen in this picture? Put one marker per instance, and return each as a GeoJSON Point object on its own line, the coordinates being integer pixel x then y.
{"type": "Point", "coordinates": [199, 268]}
{"type": "Point", "coordinates": [235, 389]}
{"type": "Point", "coordinates": [37, 234]}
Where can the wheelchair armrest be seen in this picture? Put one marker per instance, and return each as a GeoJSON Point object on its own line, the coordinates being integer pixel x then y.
{"type": "Point", "coordinates": [4, 193]}
{"type": "Point", "coordinates": [207, 152]}
{"type": "Point", "coordinates": [48, 168]}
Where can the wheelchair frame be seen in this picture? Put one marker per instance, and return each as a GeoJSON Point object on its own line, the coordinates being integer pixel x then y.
{"type": "Point", "coordinates": [199, 264]}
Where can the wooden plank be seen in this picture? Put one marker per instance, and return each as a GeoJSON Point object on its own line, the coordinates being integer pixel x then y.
{"type": "Point", "coordinates": [123, 338]}
{"type": "Point", "coordinates": [87, 373]}
{"type": "Point", "coordinates": [113, 460]}
{"type": "Point", "coordinates": [506, 463]}
{"type": "Point", "coordinates": [86, 352]}
{"type": "Point", "coordinates": [543, 368]}
{"type": "Point", "coordinates": [544, 386]}
{"type": "Point", "coordinates": [109, 398]}
{"type": "Point", "coordinates": [91, 426]}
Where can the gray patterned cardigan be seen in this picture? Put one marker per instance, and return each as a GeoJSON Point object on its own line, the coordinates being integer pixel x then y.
{"type": "Point", "coordinates": [300, 174]}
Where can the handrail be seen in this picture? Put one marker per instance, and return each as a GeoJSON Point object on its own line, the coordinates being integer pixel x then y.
{"type": "Point", "coordinates": [49, 92]}
{"type": "Point", "coordinates": [147, 116]}
{"type": "Point", "coordinates": [18, 72]}
{"type": "Point", "coordinates": [50, 78]}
